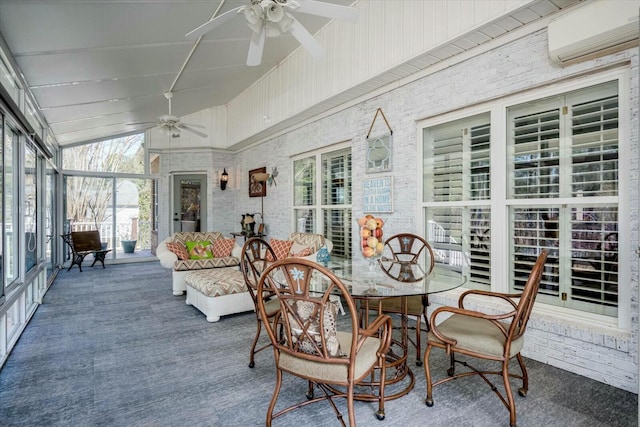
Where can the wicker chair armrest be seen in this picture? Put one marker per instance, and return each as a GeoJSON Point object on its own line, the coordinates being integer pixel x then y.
{"type": "Point", "coordinates": [381, 327]}
{"type": "Point", "coordinates": [503, 296]}
{"type": "Point", "coordinates": [493, 318]}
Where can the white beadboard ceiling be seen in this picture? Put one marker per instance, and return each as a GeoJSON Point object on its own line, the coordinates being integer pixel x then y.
{"type": "Point", "coordinates": [94, 66]}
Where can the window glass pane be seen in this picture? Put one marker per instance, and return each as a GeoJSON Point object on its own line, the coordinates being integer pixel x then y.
{"type": "Point", "coordinates": [480, 162]}
{"type": "Point", "coordinates": [336, 178]}
{"type": "Point", "coordinates": [10, 207]}
{"type": "Point", "coordinates": [304, 178]}
{"type": "Point", "coordinates": [305, 220]}
{"type": "Point", "coordinates": [30, 208]}
{"type": "Point", "coordinates": [594, 130]}
{"type": "Point", "coordinates": [50, 219]}
{"type": "Point", "coordinates": [124, 154]}
{"type": "Point", "coordinates": [480, 245]}
{"type": "Point", "coordinates": [594, 255]}
{"type": "Point", "coordinates": [89, 205]}
{"type": "Point", "coordinates": [337, 228]}
{"type": "Point", "coordinates": [533, 229]}
{"type": "Point", "coordinates": [444, 234]}
{"type": "Point", "coordinates": [536, 155]}
{"type": "Point", "coordinates": [133, 215]}
{"type": "Point", "coordinates": [457, 163]}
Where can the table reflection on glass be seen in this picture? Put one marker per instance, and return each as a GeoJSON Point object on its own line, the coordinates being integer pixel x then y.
{"type": "Point", "coordinates": [396, 279]}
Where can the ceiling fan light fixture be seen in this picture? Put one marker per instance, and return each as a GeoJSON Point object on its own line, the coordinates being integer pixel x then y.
{"type": "Point", "coordinates": [274, 12]}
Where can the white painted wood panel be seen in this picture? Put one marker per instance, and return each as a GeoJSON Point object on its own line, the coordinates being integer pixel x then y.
{"type": "Point", "coordinates": [387, 34]}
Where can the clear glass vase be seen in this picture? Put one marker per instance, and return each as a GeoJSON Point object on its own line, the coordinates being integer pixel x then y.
{"type": "Point", "coordinates": [371, 239]}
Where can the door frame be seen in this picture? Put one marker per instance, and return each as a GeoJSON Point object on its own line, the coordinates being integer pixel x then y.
{"type": "Point", "coordinates": [175, 178]}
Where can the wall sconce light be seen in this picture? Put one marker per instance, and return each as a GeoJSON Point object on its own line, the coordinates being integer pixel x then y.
{"type": "Point", "coordinates": [224, 179]}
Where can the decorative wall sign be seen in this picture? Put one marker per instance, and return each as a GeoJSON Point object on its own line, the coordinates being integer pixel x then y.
{"type": "Point", "coordinates": [256, 188]}
{"type": "Point", "coordinates": [379, 149]}
{"type": "Point", "coordinates": [377, 195]}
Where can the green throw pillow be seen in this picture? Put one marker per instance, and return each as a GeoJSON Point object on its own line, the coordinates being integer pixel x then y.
{"type": "Point", "coordinates": [199, 250]}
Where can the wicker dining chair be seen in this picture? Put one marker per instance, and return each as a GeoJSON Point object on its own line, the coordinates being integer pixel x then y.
{"type": "Point", "coordinates": [408, 248]}
{"type": "Point", "coordinates": [497, 337]}
{"type": "Point", "coordinates": [333, 354]}
{"type": "Point", "coordinates": [252, 263]}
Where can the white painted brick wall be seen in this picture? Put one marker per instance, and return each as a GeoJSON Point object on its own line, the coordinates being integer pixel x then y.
{"type": "Point", "coordinates": [600, 353]}
{"type": "Point", "coordinates": [220, 204]}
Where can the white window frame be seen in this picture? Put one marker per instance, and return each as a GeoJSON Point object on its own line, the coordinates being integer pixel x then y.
{"type": "Point", "coordinates": [318, 207]}
{"type": "Point", "coordinates": [499, 181]}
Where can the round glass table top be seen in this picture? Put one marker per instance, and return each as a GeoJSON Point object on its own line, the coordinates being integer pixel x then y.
{"type": "Point", "coordinates": [392, 279]}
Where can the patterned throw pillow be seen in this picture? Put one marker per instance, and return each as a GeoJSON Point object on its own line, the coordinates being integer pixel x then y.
{"type": "Point", "coordinates": [179, 249]}
{"type": "Point", "coordinates": [280, 248]}
{"type": "Point", "coordinates": [298, 250]}
{"type": "Point", "coordinates": [223, 247]}
{"type": "Point", "coordinates": [199, 250]}
{"type": "Point", "coordinates": [301, 316]}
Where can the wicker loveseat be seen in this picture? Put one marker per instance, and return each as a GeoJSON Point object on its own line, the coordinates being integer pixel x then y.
{"type": "Point", "coordinates": [181, 267]}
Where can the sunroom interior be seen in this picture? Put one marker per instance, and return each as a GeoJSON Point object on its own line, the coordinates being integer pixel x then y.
{"type": "Point", "coordinates": [496, 129]}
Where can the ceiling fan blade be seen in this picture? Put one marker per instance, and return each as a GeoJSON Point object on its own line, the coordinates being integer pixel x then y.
{"type": "Point", "coordinates": [140, 123]}
{"type": "Point", "coordinates": [193, 125]}
{"type": "Point", "coordinates": [256, 47]}
{"type": "Point", "coordinates": [328, 10]}
{"type": "Point", "coordinates": [214, 23]}
{"type": "Point", "coordinates": [307, 41]}
{"type": "Point", "coordinates": [192, 130]}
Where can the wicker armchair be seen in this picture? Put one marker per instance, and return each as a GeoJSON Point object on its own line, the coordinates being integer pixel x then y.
{"type": "Point", "coordinates": [498, 337]}
{"type": "Point", "coordinates": [408, 248]}
{"type": "Point", "coordinates": [253, 262]}
{"type": "Point", "coordinates": [332, 357]}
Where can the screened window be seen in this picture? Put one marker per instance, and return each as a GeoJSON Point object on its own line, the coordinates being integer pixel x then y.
{"type": "Point", "coordinates": [457, 170]}
{"type": "Point", "coordinates": [11, 224]}
{"type": "Point", "coordinates": [118, 155]}
{"type": "Point", "coordinates": [30, 207]}
{"type": "Point", "coordinates": [566, 148]}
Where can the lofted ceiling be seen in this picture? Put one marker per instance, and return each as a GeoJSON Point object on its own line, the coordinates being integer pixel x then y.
{"type": "Point", "coordinates": [95, 66]}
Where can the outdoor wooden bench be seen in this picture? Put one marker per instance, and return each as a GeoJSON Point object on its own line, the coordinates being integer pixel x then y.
{"type": "Point", "coordinates": [83, 243]}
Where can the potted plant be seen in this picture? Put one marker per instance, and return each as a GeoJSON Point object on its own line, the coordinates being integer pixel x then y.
{"type": "Point", "coordinates": [127, 241]}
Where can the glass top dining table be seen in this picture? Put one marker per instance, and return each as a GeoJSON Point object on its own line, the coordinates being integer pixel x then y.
{"type": "Point", "coordinates": [395, 278]}
{"type": "Point", "coordinates": [388, 279]}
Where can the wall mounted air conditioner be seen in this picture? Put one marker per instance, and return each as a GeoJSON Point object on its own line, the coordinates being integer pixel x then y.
{"type": "Point", "coordinates": [597, 27]}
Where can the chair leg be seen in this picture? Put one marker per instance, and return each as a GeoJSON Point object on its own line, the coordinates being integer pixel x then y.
{"type": "Point", "coordinates": [427, 374]}
{"type": "Point", "coordinates": [253, 345]}
{"type": "Point", "coordinates": [350, 410]}
{"type": "Point", "coordinates": [418, 344]}
{"type": "Point", "coordinates": [511, 405]}
{"type": "Point", "coordinates": [274, 398]}
{"type": "Point", "coordinates": [452, 365]}
{"type": "Point", "coordinates": [383, 375]}
{"type": "Point", "coordinates": [525, 378]}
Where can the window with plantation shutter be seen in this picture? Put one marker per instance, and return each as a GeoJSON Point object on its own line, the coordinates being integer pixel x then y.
{"type": "Point", "coordinates": [322, 201]}
{"type": "Point", "coordinates": [457, 185]}
{"type": "Point", "coordinates": [566, 147]}
{"type": "Point", "coordinates": [304, 193]}
{"type": "Point", "coordinates": [336, 201]}
{"type": "Point", "coordinates": [546, 175]}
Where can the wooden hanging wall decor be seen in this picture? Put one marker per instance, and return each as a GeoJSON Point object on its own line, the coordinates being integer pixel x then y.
{"type": "Point", "coordinates": [379, 148]}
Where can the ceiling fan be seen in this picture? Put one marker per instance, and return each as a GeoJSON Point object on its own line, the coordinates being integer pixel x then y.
{"type": "Point", "coordinates": [272, 18]}
{"type": "Point", "coordinates": [171, 125]}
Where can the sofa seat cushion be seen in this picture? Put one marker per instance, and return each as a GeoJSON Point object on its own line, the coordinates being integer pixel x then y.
{"type": "Point", "coordinates": [201, 264]}
{"type": "Point", "coordinates": [218, 282]}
